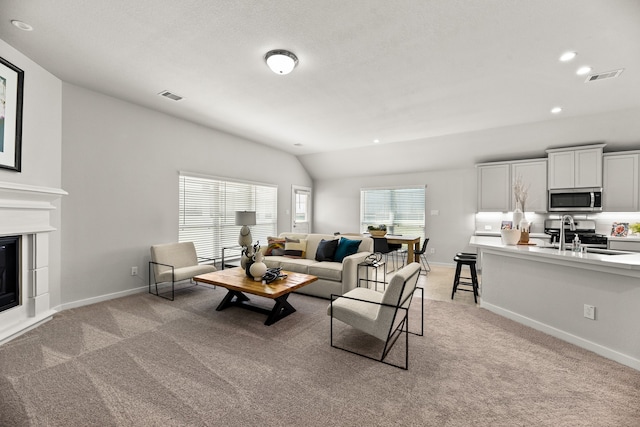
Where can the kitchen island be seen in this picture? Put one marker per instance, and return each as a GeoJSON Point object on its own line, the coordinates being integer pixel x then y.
{"type": "Point", "coordinates": [548, 289]}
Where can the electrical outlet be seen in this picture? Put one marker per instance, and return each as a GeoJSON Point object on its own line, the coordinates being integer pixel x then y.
{"type": "Point", "coordinates": [487, 227]}
{"type": "Point", "coordinates": [590, 312]}
{"type": "Point", "coordinates": [432, 250]}
{"type": "Point", "coordinates": [134, 271]}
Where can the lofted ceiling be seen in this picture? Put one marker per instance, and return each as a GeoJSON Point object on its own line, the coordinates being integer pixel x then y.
{"type": "Point", "coordinates": [440, 83]}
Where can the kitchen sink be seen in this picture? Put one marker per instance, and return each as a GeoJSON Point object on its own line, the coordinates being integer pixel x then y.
{"type": "Point", "coordinates": [606, 251]}
{"type": "Point", "coordinates": [590, 250]}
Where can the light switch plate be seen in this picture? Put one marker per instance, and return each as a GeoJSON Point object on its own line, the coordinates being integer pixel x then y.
{"type": "Point", "coordinates": [590, 312]}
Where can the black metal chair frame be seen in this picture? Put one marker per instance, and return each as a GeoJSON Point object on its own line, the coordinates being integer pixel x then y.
{"type": "Point", "coordinates": [423, 256]}
{"type": "Point", "coordinates": [387, 250]}
{"type": "Point", "coordinates": [394, 332]}
{"type": "Point", "coordinates": [173, 282]}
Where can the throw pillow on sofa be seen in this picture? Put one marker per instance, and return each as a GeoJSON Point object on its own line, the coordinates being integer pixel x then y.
{"type": "Point", "coordinates": [326, 250]}
{"type": "Point", "coordinates": [295, 248]}
{"type": "Point", "coordinates": [275, 246]}
{"type": "Point", "coordinates": [345, 248]}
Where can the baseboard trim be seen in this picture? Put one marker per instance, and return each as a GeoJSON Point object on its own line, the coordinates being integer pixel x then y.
{"type": "Point", "coordinates": [113, 295]}
{"type": "Point", "coordinates": [566, 336]}
{"type": "Point", "coordinates": [106, 297]}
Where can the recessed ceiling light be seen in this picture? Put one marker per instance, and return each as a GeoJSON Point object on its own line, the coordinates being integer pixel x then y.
{"type": "Point", "coordinates": [22, 25]}
{"type": "Point", "coordinates": [568, 56]}
{"type": "Point", "coordinates": [583, 70]}
{"type": "Point", "coordinates": [556, 110]}
{"type": "Point", "coordinates": [375, 141]}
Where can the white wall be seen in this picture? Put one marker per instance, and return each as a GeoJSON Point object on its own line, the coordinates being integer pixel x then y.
{"type": "Point", "coordinates": [41, 145]}
{"type": "Point", "coordinates": [120, 166]}
{"type": "Point", "coordinates": [452, 193]}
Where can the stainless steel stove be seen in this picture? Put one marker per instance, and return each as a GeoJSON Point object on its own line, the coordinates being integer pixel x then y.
{"type": "Point", "coordinates": [585, 229]}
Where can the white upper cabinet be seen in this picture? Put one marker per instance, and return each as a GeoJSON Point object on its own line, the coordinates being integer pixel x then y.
{"type": "Point", "coordinates": [575, 167]}
{"type": "Point", "coordinates": [495, 185]}
{"type": "Point", "coordinates": [588, 168]}
{"type": "Point", "coordinates": [620, 190]}
{"type": "Point", "coordinates": [561, 169]}
{"type": "Point", "coordinates": [534, 176]}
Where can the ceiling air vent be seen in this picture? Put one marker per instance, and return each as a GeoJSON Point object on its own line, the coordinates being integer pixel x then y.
{"type": "Point", "coordinates": [605, 75]}
{"type": "Point", "coordinates": [170, 95]}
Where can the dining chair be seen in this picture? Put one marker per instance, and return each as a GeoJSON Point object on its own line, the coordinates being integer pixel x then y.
{"type": "Point", "coordinates": [422, 253]}
{"type": "Point", "coordinates": [381, 245]}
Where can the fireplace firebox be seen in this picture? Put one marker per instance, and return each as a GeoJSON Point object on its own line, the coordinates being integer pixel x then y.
{"type": "Point", "coordinates": [9, 272]}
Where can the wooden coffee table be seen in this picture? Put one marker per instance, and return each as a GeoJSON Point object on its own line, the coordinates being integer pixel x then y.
{"type": "Point", "coordinates": [237, 284]}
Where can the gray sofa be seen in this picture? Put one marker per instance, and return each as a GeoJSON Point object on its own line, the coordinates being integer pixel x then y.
{"type": "Point", "coordinates": [333, 277]}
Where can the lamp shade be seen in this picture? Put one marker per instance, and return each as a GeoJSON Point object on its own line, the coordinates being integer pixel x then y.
{"type": "Point", "coordinates": [281, 61]}
{"type": "Point", "coordinates": [245, 218]}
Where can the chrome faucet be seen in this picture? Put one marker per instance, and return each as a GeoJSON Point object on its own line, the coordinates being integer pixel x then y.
{"type": "Point", "coordinates": [572, 227]}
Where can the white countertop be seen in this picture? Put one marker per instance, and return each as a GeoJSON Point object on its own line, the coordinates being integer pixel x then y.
{"type": "Point", "coordinates": [627, 264]}
{"type": "Point", "coordinates": [497, 234]}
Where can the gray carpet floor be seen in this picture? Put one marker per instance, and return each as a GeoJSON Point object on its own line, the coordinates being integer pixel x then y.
{"type": "Point", "coordinates": [145, 361]}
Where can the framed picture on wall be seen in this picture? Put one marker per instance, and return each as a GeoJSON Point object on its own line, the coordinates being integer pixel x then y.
{"type": "Point", "coordinates": [11, 88]}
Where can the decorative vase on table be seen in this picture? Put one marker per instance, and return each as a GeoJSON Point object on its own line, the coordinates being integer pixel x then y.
{"type": "Point", "coordinates": [247, 257]}
{"type": "Point", "coordinates": [247, 267]}
{"type": "Point", "coordinates": [258, 268]}
{"type": "Point", "coordinates": [517, 217]}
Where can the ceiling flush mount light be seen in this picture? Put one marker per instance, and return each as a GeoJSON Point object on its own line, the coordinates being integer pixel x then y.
{"type": "Point", "coordinates": [22, 25]}
{"type": "Point", "coordinates": [556, 110]}
{"type": "Point", "coordinates": [568, 56]}
{"type": "Point", "coordinates": [281, 61]}
{"type": "Point", "coordinates": [583, 71]}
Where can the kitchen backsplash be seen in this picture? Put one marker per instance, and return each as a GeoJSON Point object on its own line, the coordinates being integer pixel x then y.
{"type": "Point", "coordinates": [604, 221]}
{"type": "Point", "coordinates": [491, 221]}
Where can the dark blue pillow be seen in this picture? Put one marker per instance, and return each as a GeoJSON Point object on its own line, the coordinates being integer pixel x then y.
{"type": "Point", "coordinates": [345, 248]}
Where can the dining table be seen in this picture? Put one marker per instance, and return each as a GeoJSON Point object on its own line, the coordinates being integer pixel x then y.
{"type": "Point", "coordinates": [412, 242]}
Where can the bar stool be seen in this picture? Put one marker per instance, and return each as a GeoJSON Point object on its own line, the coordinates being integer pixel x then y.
{"type": "Point", "coordinates": [468, 259]}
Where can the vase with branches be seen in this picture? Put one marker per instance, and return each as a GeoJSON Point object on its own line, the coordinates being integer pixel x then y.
{"type": "Point", "coordinates": [520, 192]}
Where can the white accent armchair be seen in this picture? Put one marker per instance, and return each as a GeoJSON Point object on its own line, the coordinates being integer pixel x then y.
{"type": "Point", "coordinates": [384, 315]}
{"type": "Point", "coordinates": [174, 262]}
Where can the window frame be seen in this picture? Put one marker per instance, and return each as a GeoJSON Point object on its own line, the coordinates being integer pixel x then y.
{"type": "Point", "coordinates": [399, 223]}
{"type": "Point", "coordinates": [211, 227]}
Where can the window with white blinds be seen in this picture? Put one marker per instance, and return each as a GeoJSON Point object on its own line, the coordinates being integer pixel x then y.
{"type": "Point", "coordinates": [208, 208]}
{"type": "Point", "coordinates": [401, 209]}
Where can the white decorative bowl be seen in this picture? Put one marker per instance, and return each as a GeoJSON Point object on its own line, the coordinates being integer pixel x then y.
{"type": "Point", "coordinates": [510, 237]}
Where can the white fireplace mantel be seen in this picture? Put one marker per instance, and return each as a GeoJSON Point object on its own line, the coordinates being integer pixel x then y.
{"type": "Point", "coordinates": [25, 211]}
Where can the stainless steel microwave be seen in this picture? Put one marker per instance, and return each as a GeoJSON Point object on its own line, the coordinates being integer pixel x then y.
{"type": "Point", "coordinates": [575, 200]}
